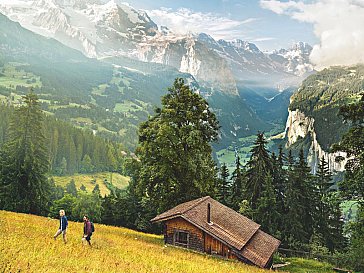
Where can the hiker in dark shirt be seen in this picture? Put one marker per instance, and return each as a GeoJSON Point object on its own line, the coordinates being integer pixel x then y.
{"type": "Point", "coordinates": [87, 230]}
{"type": "Point", "coordinates": [63, 224]}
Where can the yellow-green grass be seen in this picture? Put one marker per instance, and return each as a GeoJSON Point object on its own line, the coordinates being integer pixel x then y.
{"type": "Point", "coordinates": [26, 245]}
{"type": "Point", "coordinates": [126, 107]}
{"type": "Point", "coordinates": [300, 265]}
{"type": "Point", "coordinates": [118, 180]}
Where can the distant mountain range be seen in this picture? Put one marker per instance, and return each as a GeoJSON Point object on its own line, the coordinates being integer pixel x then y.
{"type": "Point", "coordinates": [113, 30]}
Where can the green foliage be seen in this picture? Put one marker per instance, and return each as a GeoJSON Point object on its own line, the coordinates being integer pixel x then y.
{"type": "Point", "coordinates": [71, 188]}
{"type": "Point", "coordinates": [96, 190]}
{"type": "Point", "coordinates": [267, 213]}
{"type": "Point", "coordinates": [258, 168]}
{"type": "Point", "coordinates": [24, 186]}
{"type": "Point", "coordinates": [67, 203]}
{"type": "Point", "coordinates": [72, 150]}
{"type": "Point", "coordinates": [88, 204]}
{"type": "Point", "coordinates": [83, 188]}
{"type": "Point", "coordinates": [352, 143]}
{"type": "Point", "coordinates": [299, 203]}
{"type": "Point", "coordinates": [223, 187]}
{"type": "Point", "coordinates": [237, 186]}
{"type": "Point", "coordinates": [328, 224]}
{"type": "Point", "coordinates": [174, 149]}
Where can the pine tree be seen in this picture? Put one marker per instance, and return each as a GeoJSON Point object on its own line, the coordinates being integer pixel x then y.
{"type": "Point", "coordinates": [238, 185]}
{"type": "Point", "coordinates": [83, 188]}
{"type": "Point", "coordinates": [294, 232]}
{"type": "Point", "coordinates": [258, 168]}
{"type": "Point", "coordinates": [306, 183]}
{"type": "Point", "coordinates": [267, 214]}
{"type": "Point", "coordinates": [71, 188]}
{"type": "Point", "coordinates": [279, 180]}
{"type": "Point", "coordinates": [24, 186]}
{"type": "Point", "coordinates": [96, 189]}
{"type": "Point", "coordinates": [352, 143]}
{"type": "Point", "coordinates": [300, 203]}
{"type": "Point", "coordinates": [224, 185]}
{"type": "Point", "coordinates": [175, 151]}
{"type": "Point", "coordinates": [328, 214]}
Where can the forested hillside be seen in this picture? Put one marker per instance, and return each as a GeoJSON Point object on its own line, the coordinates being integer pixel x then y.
{"type": "Point", "coordinates": [321, 95]}
{"type": "Point", "coordinates": [72, 150]}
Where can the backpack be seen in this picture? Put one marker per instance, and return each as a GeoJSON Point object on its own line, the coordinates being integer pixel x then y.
{"type": "Point", "coordinates": [92, 227]}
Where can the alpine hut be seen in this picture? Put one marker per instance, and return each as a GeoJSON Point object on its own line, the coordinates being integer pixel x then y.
{"type": "Point", "coordinates": [208, 226]}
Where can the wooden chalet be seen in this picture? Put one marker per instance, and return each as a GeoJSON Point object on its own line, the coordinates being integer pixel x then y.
{"type": "Point", "coordinates": [208, 226]}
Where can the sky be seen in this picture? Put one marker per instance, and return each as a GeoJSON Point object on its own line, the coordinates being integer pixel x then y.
{"type": "Point", "coordinates": [229, 19]}
{"type": "Point", "coordinates": [335, 28]}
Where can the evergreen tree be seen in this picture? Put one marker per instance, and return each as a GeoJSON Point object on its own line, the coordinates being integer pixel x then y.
{"type": "Point", "coordinates": [224, 185]}
{"type": "Point", "coordinates": [238, 185]}
{"type": "Point", "coordinates": [88, 204]}
{"type": "Point", "coordinates": [83, 188]}
{"type": "Point", "coordinates": [279, 180]}
{"type": "Point", "coordinates": [24, 186]}
{"type": "Point", "coordinates": [352, 143]}
{"type": "Point", "coordinates": [96, 189]}
{"type": "Point", "coordinates": [328, 214]}
{"type": "Point", "coordinates": [174, 150]}
{"type": "Point", "coordinates": [300, 203]}
{"type": "Point", "coordinates": [71, 188]}
{"type": "Point", "coordinates": [267, 214]}
{"type": "Point", "coordinates": [66, 203]}
{"type": "Point", "coordinates": [308, 196]}
{"type": "Point", "coordinates": [258, 168]}
{"type": "Point", "coordinates": [86, 164]}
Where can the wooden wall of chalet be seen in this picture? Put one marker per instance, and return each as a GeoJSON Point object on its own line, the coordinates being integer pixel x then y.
{"type": "Point", "coordinates": [198, 239]}
{"type": "Point", "coordinates": [195, 240]}
{"type": "Point", "coordinates": [215, 247]}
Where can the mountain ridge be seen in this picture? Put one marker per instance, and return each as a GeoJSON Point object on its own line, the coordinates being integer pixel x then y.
{"type": "Point", "coordinates": [111, 29]}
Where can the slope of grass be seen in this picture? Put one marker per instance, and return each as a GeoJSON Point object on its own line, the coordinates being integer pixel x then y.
{"type": "Point", "coordinates": [301, 265]}
{"type": "Point", "coordinates": [26, 245]}
{"type": "Point", "coordinates": [90, 180]}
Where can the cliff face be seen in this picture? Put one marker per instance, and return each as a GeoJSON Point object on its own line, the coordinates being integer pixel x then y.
{"type": "Point", "coordinates": [299, 126]}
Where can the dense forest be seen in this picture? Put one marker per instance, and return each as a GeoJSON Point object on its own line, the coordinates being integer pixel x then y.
{"type": "Point", "coordinates": [71, 150]}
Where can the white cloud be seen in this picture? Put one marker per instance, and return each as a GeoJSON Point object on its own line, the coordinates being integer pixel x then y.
{"type": "Point", "coordinates": [339, 24]}
{"type": "Point", "coordinates": [185, 20]}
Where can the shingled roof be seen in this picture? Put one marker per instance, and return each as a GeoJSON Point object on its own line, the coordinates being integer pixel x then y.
{"type": "Point", "coordinates": [228, 226]}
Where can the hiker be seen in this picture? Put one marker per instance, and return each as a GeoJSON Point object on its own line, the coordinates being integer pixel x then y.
{"type": "Point", "coordinates": [87, 230]}
{"type": "Point", "coordinates": [63, 224]}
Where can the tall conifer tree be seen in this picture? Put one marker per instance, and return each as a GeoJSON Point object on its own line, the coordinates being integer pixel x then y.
{"type": "Point", "coordinates": [258, 168]}
{"type": "Point", "coordinates": [238, 185]}
{"type": "Point", "coordinates": [24, 161]}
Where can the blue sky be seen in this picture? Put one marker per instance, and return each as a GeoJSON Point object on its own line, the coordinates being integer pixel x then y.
{"type": "Point", "coordinates": [229, 19]}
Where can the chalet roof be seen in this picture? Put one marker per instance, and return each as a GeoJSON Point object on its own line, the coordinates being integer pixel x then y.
{"type": "Point", "coordinates": [227, 226]}
{"type": "Point", "coordinates": [260, 248]}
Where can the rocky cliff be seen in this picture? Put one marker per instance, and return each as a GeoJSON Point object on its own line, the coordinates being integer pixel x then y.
{"type": "Point", "coordinates": [299, 126]}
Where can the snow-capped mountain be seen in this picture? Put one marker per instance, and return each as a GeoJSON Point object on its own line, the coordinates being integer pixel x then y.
{"type": "Point", "coordinates": [103, 30]}
{"type": "Point", "coordinates": [294, 60]}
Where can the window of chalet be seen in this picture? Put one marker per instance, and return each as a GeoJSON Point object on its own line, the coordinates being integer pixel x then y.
{"type": "Point", "coordinates": [181, 238]}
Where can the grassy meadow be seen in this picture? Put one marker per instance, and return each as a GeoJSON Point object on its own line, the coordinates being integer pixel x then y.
{"type": "Point", "coordinates": [26, 245]}
{"type": "Point", "coordinates": [90, 180]}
